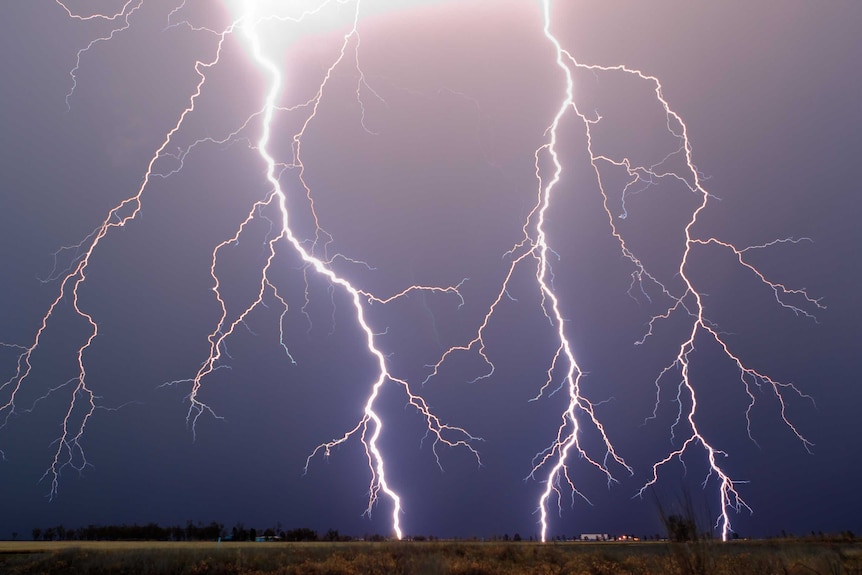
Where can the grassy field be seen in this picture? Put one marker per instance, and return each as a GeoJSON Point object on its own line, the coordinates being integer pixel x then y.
{"type": "Point", "coordinates": [785, 557]}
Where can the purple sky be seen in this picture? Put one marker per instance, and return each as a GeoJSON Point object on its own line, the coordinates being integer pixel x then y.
{"type": "Point", "coordinates": [433, 188]}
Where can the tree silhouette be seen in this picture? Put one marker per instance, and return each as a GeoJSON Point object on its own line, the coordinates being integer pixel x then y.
{"type": "Point", "coordinates": [681, 528]}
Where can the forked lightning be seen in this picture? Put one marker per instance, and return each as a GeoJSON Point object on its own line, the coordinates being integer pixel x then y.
{"type": "Point", "coordinates": [551, 467]}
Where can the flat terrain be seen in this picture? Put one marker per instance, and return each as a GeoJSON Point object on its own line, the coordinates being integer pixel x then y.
{"type": "Point", "coordinates": [784, 557]}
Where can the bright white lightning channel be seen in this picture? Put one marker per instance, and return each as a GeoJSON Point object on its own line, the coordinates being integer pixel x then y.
{"type": "Point", "coordinates": [370, 418]}
{"type": "Point", "coordinates": [690, 302]}
{"type": "Point", "coordinates": [370, 426]}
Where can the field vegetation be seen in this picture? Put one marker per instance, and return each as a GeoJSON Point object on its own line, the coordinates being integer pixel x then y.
{"type": "Point", "coordinates": [779, 557]}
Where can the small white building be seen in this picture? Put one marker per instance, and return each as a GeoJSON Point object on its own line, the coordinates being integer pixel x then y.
{"type": "Point", "coordinates": [594, 537]}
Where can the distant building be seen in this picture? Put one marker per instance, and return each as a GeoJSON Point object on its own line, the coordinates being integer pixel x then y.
{"type": "Point", "coordinates": [264, 538]}
{"type": "Point", "coordinates": [594, 537]}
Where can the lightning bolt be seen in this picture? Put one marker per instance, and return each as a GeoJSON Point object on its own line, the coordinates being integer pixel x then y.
{"type": "Point", "coordinates": [370, 424]}
{"type": "Point", "coordinates": [689, 301]}
{"type": "Point", "coordinates": [551, 467]}
{"type": "Point", "coordinates": [83, 400]}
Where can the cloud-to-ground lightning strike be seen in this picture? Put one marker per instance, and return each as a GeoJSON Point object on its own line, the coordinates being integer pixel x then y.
{"type": "Point", "coordinates": [370, 424]}
{"type": "Point", "coordinates": [551, 466]}
{"type": "Point", "coordinates": [690, 300]}
{"type": "Point", "coordinates": [535, 245]}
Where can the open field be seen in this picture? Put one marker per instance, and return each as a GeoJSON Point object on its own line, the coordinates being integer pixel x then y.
{"type": "Point", "coordinates": [785, 557]}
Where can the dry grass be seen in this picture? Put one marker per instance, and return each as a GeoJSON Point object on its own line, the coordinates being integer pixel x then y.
{"type": "Point", "coordinates": [54, 546]}
{"type": "Point", "coordinates": [431, 558]}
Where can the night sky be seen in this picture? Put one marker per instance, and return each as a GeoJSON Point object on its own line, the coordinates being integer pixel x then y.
{"type": "Point", "coordinates": [420, 161]}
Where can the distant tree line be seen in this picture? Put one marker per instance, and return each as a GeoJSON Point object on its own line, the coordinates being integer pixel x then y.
{"type": "Point", "coordinates": [134, 532]}
{"type": "Point", "coordinates": [680, 529]}
{"type": "Point", "coordinates": [189, 532]}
